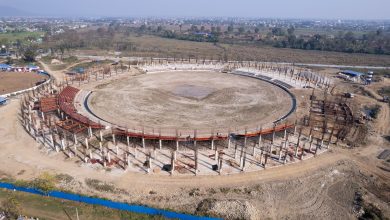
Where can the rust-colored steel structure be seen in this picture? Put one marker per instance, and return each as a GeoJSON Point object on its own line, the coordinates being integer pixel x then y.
{"type": "Point", "coordinates": [66, 104]}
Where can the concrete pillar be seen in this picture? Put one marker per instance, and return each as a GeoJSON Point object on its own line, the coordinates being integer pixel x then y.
{"type": "Point", "coordinates": [286, 149]}
{"type": "Point", "coordinates": [216, 155]}
{"type": "Point", "coordinates": [160, 143]}
{"type": "Point", "coordinates": [101, 135]}
{"type": "Point", "coordinates": [143, 142]}
{"type": "Point", "coordinates": [117, 150]}
{"type": "Point", "coordinates": [113, 139]}
{"type": "Point", "coordinates": [177, 145]}
{"type": "Point", "coordinates": [229, 141]}
{"type": "Point", "coordinates": [90, 132]}
{"type": "Point", "coordinates": [62, 144]}
{"type": "Point", "coordinates": [299, 139]}
{"type": "Point", "coordinates": [150, 161]}
{"type": "Point", "coordinates": [51, 138]}
{"type": "Point", "coordinates": [86, 143]}
{"type": "Point", "coordinates": [244, 161]}
{"type": "Point", "coordinates": [196, 161]}
{"type": "Point", "coordinates": [128, 141]}
{"type": "Point", "coordinates": [220, 166]}
{"type": "Point", "coordinates": [100, 146]}
{"type": "Point", "coordinates": [243, 148]}
{"type": "Point", "coordinates": [261, 156]}
{"type": "Point", "coordinates": [260, 139]}
{"type": "Point", "coordinates": [109, 157]}
{"type": "Point", "coordinates": [311, 142]}
{"type": "Point", "coordinates": [317, 146]}
{"type": "Point", "coordinates": [212, 144]}
{"type": "Point", "coordinates": [75, 138]}
{"type": "Point", "coordinates": [56, 147]}
{"type": "Point", "coordinates": [280, 152]}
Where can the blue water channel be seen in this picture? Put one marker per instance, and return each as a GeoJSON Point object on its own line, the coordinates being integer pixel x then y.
{"type": "Point", "coordinates": [106, 203]}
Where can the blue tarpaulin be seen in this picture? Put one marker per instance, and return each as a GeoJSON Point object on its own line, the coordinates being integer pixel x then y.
{"type": "Point", "coordinates": [2, 100]}
{"type": "Point", "coordinates": [352, 73]}
{"type": "Point", "coordinates": [4, 66]}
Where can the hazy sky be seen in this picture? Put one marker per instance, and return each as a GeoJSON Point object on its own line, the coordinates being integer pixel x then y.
{"type": "Point", "coordinates": [339, 9]}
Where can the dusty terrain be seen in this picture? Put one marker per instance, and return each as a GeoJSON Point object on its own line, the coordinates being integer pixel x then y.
{"type": "Point", "coordinates": [321, 188]}
{"type": "Point", "coordinates": [15, 81]}
{"type": "Point", "coordinates": [189, 100]}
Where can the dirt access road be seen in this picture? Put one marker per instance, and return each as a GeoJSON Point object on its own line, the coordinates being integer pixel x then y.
{"type": "Point", "coordinates": [322, 188]}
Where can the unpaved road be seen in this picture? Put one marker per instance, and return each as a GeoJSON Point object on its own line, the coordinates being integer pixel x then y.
{"type": "Point", "coordinates": [319, 188]}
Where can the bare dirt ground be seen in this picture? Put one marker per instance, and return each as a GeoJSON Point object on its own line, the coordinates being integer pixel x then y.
{"type": "Point", "coordinates": [321, 188]}
{"type": "Point", "coordinates": [15, 81]}
{"type": "Point", "coordinates": [189, 100]}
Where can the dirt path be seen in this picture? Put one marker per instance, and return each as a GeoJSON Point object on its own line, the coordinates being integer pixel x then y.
{"type": "Point", "coordinates": [59, 74]}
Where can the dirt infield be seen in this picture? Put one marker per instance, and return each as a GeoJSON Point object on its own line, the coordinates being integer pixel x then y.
{"type": "Point", "coordinates": [15, 81]}
{"type": "Point", "coordinates": [189, 100]}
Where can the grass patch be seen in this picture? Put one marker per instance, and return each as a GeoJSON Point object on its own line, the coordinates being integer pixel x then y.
{"type": "Point", "coordinates": [51, 208]}
{"type": "Point", "coordinates": [100, 186]}
{"type": "Point", "coordinates": [23, 36]}
{"type": "Point", "coordinates": [64, 178]}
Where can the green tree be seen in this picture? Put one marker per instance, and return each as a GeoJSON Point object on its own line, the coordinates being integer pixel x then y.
{"type": "Point", "coordinates": [257, 30]}
{"type": "Point", "coordinates": [194, 28]}
{"type": "Point", "coordinates": [30, 54]}
{"type": "Point", "coordinates": [142, 28]}
{"type": "Point", "coordinates": [230, 28]}
{"type": "Point", "coordinates": [291, 30]}
{"type": "Point", "coordinates": [9, 60]}
{"type": "Point", "coordinates": [241, 30]}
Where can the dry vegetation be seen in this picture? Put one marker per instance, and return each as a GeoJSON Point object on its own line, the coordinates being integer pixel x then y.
{"type": "Point", "coordinates": [161, 47]}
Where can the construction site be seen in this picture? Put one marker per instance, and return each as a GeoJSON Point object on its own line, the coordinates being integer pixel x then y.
{"type": "Point", "coordinates": [265, 134]}
{"type": "Point", "coordinates": [194, 120]}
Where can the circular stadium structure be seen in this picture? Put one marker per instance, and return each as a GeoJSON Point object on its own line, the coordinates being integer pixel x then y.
{"type": "Point", "coordinates": [176, 116]}
{"type": "Point", "coordinates": [189, 100]}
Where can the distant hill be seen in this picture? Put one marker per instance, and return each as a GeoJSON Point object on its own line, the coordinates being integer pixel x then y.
{"type": "Point", "coordinates": [6, 11]}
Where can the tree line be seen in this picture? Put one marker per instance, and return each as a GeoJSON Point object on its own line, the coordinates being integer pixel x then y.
{"type": "Point", "coordinates": [372, 42]}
